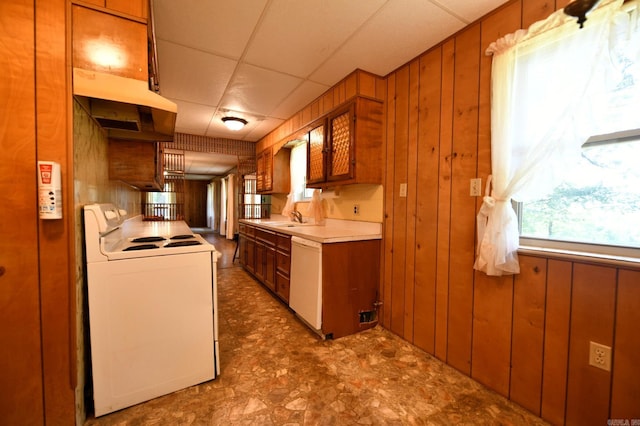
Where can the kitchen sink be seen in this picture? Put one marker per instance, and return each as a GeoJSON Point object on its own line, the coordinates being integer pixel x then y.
{"type": "Point", "coordinates": [288, 224]}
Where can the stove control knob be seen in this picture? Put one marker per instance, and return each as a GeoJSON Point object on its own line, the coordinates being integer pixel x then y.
{"type": "Point", "coordinates": [110, 215]}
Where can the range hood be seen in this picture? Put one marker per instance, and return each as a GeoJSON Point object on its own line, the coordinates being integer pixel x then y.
{"type": "Point", "coordinates": [125, 107]}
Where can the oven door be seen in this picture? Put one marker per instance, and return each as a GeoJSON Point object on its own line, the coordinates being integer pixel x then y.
{"type": "Point", "coordinates": [151, 326]}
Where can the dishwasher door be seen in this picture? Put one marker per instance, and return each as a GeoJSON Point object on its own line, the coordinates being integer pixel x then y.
{"type": "Point", "coordinates": [305, 293]}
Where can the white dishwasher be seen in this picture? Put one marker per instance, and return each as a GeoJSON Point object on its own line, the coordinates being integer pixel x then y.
{"type": "Point", "coordinates": [305, 293]}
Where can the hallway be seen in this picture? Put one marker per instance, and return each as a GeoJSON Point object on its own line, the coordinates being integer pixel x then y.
{"type": "Point", "coordinates": [275, 371]}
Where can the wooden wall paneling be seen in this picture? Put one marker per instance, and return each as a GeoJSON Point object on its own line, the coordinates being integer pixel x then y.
{"type": "Point", "coordinates": [381, 92]}
{"type": "Point", "coordinates": [536, 10]}
{"type": "Point", "coordinates": [556, 340]}
{"type": "Point", "coordinates": [592, 316]}
{"type": "Point", "coordinates": [56, 266]}
{"type": "Point", "coordinates": [400, 203]}
{"type": "Point", "coordinates": [444, 200]}
{"type": "Point", "coordinates": [412, 190]}
{"type": "Point", "coordinates": [412, 167]}
{"type": "Point", "coordinates": [351, 85]}
{"type": "Point", "coordinates": [428, 155]}
{"type": "Point", "coordinates": [625, 393]}
{"type": "Point", "coordinates": [339, 93]}
{"type": "Point", "coordinates": [327, 102]}
{"type": "Point", "coordinates": [493, 296]}
{"type": "Point", "coordinates": [464, 165]}
{"type": "Point", "coordinates": [492, 315]}
{"type": "Point", "coordinates": [527, 343]}
{"type": "Point", "coordinates": [389, 205]}
{"type": "Point", "coordinates": [366, 84]}
{"type": "Point", "coordinates": [21, 386]}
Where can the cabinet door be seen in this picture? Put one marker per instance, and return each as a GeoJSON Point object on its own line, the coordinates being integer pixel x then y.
{"type": "Point", "coordinates": [340, 159]}
{"type": "Point", "coordinates": [261, 257]}
{"type": "Point", "coordinates": [316, 160]}
{"type": "Point", "coordinates": [270, 268]}
{"type": "Point", "coordinates": [251, 256]}
{"type": "Point", "coordinates": [264, 171]}
{"type": "Point", "coordinates": [136, 8]}
{"type": "Point", "coordinates": [242, 250]}
{"type": "Point", "coordinates": [109, 44]}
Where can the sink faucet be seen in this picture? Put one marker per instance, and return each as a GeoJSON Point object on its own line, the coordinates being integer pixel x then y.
{"type": "Point", "coordinates": [296, 216]}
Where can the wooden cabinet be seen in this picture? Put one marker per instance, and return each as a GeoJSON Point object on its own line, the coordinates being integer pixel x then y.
{"type": "Point", "coordinates": [247, 242]}
{"type": "Point", "coordinates": [267, 256]}
{"type": "Point", "coordinates": [108, 43]}
{"type": "Point", "coordinates": [350, 279]}
{"type": "Point", "coordinates": [283, 265]}
{"type": "Point", "coordinates": [273, 171]}
{"type": "Point", "coordinates": [352, 150]}
{"type": "Point", "coordinates": [137, 163]}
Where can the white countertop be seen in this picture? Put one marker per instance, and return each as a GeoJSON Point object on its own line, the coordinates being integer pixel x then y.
{"type": "Point", "coordinates": [333, 231]}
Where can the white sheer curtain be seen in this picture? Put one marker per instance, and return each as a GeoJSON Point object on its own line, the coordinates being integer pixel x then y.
{"type": "Point", "coordinates": [223, 207]}
{"type": "Point", "coordinates": [549, 84]}
{"type": "Point", "coordinates": [231, 206]}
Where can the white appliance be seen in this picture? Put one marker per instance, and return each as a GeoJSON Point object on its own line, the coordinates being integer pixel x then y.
{"type": "Point", "coordinates": [305, 291]}
{"type": "Point", "coordinates": [153, 314]}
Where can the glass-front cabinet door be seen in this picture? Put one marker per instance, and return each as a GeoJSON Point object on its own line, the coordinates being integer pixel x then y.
{"type": "Point", "coordinates": [316, 172]}
{"type": "Point", "coordinates": [340, 145]}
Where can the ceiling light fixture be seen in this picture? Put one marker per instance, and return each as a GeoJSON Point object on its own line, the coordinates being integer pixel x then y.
{"type": "Point", "coordinates": [234, 123]}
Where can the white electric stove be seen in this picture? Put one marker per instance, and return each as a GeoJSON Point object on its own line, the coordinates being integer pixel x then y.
{"type": "Point", "coordinates": [153, 314]}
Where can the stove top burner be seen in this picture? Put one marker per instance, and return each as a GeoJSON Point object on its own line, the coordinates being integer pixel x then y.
{"type": "Point", "coordinates": [141, 247]}
{"type": "Point", "coordinates": [182, 237]}
{"type": "Point", "coordinates": [147, 239]}
{"type": "Point", "coordinates": [183, 243]}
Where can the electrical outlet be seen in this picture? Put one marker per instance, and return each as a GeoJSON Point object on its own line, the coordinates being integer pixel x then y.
{"type": "Point", "coordinates": [475, 187]}
{"type": "Point", "coordinates": [600, 356]}
{"type": "Point", "coordinates": [356, 209]}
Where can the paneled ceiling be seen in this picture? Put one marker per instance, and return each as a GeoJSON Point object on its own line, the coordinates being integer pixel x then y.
{"type": "Point", "coordinates": [264, 60]}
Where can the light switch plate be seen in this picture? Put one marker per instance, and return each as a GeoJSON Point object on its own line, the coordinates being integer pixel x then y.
{"type": "Point", "coordinates": [403, 189]}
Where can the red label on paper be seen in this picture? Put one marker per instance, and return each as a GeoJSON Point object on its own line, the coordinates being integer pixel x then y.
{"type": "Point", "coordinates": [45, 173]}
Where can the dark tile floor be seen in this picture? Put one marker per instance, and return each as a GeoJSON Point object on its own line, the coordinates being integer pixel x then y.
{"type": "Point", "coordinates": [277, 372]}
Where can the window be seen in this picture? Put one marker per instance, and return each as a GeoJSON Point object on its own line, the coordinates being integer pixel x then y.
{"type": "Point", "coordinates": [298, 163]}
{"type": "Point", "coordinates": [599, 204]}
{"type": "Point", "coordinates": [555, 86]}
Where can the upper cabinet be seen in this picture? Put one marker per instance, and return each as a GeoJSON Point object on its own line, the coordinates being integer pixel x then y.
{"type": "Point", "coordinates": [348, 148]}
{"type": "Point", "coordinates": [139, 164]}
{"type": "Point", "coordinates": [135, 8]}
{"type": "Point", "coordinates": [273, 174]}
{"type": "Point", "coordinates": [111, 43]}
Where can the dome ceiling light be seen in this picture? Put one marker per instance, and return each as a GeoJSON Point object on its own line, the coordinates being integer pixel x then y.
{"type": "Point", "coordinates": [234, 123]}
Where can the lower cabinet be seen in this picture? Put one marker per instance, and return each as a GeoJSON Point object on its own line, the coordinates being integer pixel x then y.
{"type": "Point", "coordinates": [350, 276]}
{"type": "Point", "coordinates": [267, 256]}
{"type": "Point", "coordinates": [350, 279]}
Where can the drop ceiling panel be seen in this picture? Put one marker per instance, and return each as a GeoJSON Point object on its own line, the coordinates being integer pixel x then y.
{"type": "Point", "coordinates": [208, 163]}
{"type": "Point", "coordinates": [258, 90]}
{"type": "Point", "coordinates": [390, 39]}
{"type": "Point", "coordinates": [302, 95]}
{"type": "Point", "coordinates": [192, 75]}
{"type": "Point", "coordinates": [220, 27]}
{"type": "Point", "coordinates": [469, 10]}
{"type": "Point", "coordinates": [295, 37]}
{"type": "Point", "coordinates": [193, 118]}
